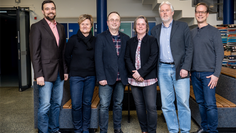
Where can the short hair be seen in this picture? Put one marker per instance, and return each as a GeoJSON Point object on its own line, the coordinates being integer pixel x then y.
{"type": "Point", "coordinates": [145, 19]}
{"type": "Point", "coordinates": [168, 3]}
{"type": "Point", "coordinates": [84, 17]}
{"type": "Point", "coordinates": [204, 4]}
{"type": "Point", "coordinates": [113, 12]}
{"type": "Point", "coordinates": [48, 1]}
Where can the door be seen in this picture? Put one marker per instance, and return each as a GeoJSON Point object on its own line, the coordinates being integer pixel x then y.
{"type": "Point", "coordinates": [24, 65]}
{"type": "Point", "coordinates": [8, 48]}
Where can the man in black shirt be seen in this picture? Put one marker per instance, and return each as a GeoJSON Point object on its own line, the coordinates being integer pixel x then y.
{"type": "Point", "coordinates": [206, 67]}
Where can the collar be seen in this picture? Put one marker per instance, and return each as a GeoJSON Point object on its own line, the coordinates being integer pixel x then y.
{"type": "Point", "coordinates": [113, 35]}
{"type": "Point", "coordinates": [49, 22]}
{"type": "Point", "coordinates": [163, 26]}
{"type": "Point", "coordinates": [203, 27]}
{"type": "Point", "coordinates": [144, 39]}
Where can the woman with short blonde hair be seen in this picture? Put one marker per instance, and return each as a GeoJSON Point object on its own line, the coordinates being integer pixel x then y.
{"type": "Point", "coordinates": [79, 57]}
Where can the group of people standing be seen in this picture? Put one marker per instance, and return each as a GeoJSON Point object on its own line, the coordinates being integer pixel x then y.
{"type": "Point", "coordinates": [168, 57]}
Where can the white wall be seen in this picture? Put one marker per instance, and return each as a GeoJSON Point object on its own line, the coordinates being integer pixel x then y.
{"type": "Point", "coordinates": [131, 8]}
{"type": "Point", "coordinates": [70, 10]}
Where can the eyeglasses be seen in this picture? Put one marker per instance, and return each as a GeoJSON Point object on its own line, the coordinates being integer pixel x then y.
{"type": "Point", "coordinates": [201, 12]}
{"type": "Point", "coordinates": [114, 20]}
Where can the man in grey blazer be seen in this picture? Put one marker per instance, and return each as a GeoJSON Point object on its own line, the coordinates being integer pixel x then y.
{"type": "Point", "coordinates": [47, 43]}
{"type": "Point", "coordinates": [111, 71]}
{"type": "Point", "coordinates": [175, 59]}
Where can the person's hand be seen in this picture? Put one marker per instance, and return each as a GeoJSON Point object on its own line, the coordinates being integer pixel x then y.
{"type": "Point", "coordinates": [136, 75]}
{"type": "Point", "coordinates": [40, 81]}
{"type": "Point", "coordinates": [213, 81]}
{"type": "Point", "coordinates": [65, 77]}
{"type": "Point", "coordinates": [103, 82]}
{"type": "Point", "coordinates": [183, 73]}
{"type": "Point", "coordinates": [140, 79]}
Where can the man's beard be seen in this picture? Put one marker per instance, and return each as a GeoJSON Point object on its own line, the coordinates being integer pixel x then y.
{"type": "Point", "coordinates": [50, 19]}
{"type": "Point", "coordinates": [166, 20]}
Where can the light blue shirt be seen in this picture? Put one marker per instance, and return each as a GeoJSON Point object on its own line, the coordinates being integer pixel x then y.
{"type": "Point", "coordinates": [165, 50]}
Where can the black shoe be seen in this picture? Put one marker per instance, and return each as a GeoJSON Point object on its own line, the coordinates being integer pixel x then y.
{"type": "Point", "coordinates": [118, 131]}
{"type": "Point", "coordinates": [200, 131]}
{"type": "Point", "coordinates": [57, 132]}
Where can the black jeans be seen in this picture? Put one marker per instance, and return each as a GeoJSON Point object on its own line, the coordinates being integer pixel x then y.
{"type": "Point", "coordinates": [145, 102]}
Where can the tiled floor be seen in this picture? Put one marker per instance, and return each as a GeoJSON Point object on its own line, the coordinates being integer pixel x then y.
{"type": "Point", "coordinates": [16, 114]}
{"type": "Point", "coordinates": [16, 111]}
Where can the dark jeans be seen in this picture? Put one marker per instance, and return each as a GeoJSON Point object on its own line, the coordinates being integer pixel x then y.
{"type": "Point", "coordinates": [206, 100]}
{"type": "Point", "coordinates": [50, 96]}
{"type": "Point", "coordinates": [81, 95]}
{"type": "Point", "coordinates": [105, 93]}
{"type": "Point", "coordinates": [145, 102]}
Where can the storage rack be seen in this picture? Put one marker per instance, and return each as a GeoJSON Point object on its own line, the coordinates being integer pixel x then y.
{"type": "Point", "coordinates": [228, 35]}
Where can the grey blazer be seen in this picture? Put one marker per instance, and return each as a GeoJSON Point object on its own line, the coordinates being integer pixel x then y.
{"type": "Point", "coordinates": [181, 45]}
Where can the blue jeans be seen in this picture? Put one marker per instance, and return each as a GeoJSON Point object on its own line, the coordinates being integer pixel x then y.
{"type": "Point", "coordinates": [105, 93]}
{"type": "Point", "coordinates": [81, 90]}
{"type": "Point", "coordinates": [206, 100]}
{"type": "Point", "coordinates": [50, 96]}
{"type": "Point", "coordinates": [145, 102]}
{"type": "Point", "coordinates": [170, 89]}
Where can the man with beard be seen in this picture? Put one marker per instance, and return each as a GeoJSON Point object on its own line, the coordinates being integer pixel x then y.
{"type": "Point", "coordinates": [175, 45]}
{"type": "Point", "coordinates": [206, 67]}
{"type": "Point", "coordinates": [47, 42]}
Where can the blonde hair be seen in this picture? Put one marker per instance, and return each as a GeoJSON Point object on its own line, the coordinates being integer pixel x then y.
{"type": "Point", "coordinates": [84, 17]}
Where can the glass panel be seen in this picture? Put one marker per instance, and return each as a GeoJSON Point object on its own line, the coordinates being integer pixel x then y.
{"type": "Point", "coordinates": [23, 49]}
{"type": "Point", "coordinates": [126, 28]}
{"type": "Point", "coordinates": [24, 65]}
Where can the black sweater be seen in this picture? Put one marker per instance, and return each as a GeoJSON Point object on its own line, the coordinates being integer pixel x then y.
{"type": "Point", "coordinates": [79, 60]}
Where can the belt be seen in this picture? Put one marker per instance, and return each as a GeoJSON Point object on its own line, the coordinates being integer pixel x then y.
{"type": "Point", "coordinates": [171, 63]}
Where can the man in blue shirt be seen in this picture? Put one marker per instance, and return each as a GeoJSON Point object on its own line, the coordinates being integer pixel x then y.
{"type": "Point", "coordinates": [175, 44]}
{"type": "Point", "coordinates": [206, 67]}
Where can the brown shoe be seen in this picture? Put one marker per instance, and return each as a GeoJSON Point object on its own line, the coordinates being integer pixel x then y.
{"type": "Point", "coordinates": [144, 132]}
